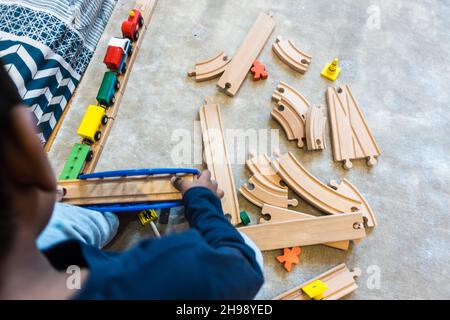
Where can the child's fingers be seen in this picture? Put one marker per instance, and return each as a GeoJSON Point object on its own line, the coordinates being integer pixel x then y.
{"type": "Point", "coordinates": [205, 176]}
{"type": "Point", "coordinates": [220, 193]}
{"type": "Point", "coordinates": [179, 183]}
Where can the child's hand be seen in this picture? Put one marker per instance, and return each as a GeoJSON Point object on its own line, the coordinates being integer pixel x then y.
{"type": "Point", "coordinates": [60, 193]}
{"type": "Point", "coordinates": [204, 180]}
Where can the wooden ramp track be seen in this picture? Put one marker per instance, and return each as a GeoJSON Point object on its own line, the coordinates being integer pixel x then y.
{"type": "Point", "coordinates": [306, 232]}
{"type": "Point", "coordinates": [321, 196]}
{"type": "Point", "coordinates": [350, 134]}
{"type": "Point", "coordinates": [216, 155]}
{"type": "Point", "coordinates": [237, 70]}
{"type": "Point", "coordinates": [147, 8]}
{"type": "Point", "coordinates": [272, 214]}
{"type": "Point", "coordinates": [291, 55]}
{"type": "Point", "coordinates": [339, 280]}
{"type": "Point", "coordinates": [315, 129]}
{"type": "Point", "coordinates": [210, 68]}
{"type": "Point", "coordinates": [258, 191]}
{"type": "Point", "coordinates": [262, 165]}
{"type": "Point", "coordinates": [120, 190]}
{"type": "Point", "coordinates": [290, 112]}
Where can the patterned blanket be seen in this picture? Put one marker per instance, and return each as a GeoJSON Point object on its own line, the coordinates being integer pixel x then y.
{"type": "Point", "coordinates": [46, 47]}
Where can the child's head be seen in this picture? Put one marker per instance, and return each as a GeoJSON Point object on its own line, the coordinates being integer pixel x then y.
{"type": "Point", "coordinates": [27, 183]}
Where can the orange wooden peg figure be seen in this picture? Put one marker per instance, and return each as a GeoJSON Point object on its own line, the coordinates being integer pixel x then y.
{"type": "Point", "coordinates": [259, 71]}
{"type": "Point", "coordinates": [290, 257]}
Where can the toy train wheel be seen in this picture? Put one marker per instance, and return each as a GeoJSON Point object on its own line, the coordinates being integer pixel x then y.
{"type": "Point", "coordinates": [98, 135]}
{"type": "Point", "coordinates": [141, 22]}
{"type": "Point", "coordinates": [117, 85]}
{"type": "Point", "coordinates": [90, 156]}
{"type": "Point", "coordinates": [104, 120]}
{"type": "Point", "coordinates": [112, 100]}
{"type": "Point", "coordinates": [130, 51]}
{"type": "Point", "coordinates": [136, 35]}
{"type": "Point", "coordinates": [124, 69]}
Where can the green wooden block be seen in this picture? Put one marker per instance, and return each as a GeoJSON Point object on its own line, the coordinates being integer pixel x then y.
{"type": "Point", "coordinates": [244, 217]}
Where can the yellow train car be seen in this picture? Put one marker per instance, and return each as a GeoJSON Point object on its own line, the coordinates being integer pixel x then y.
{"type": "Point", "coordinates": [91, 124]}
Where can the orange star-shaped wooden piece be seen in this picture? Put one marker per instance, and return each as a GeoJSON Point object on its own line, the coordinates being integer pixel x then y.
{"type": "Point", "coordinates": [259, 71]}
{"type": "Point", "coordinates": [290, 257]}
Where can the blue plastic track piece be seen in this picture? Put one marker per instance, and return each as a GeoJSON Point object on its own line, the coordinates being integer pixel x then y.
{"type": "Point", "coordinates": [133, 207]}
{"type": "Point", "coordinates": [139, 172]}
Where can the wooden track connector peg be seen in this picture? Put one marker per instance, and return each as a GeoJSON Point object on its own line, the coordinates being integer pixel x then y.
{"type": "Point", "coordinates": [315, 129]}
{"type": "Point", "coordinates": [291, 55]}
{"type": "Point", "coordinates": [290, 112]}
{"type": "Point", "coordinates": [290, 257]}
{"type": "Point", "coordinates": [350, 134]}
{"type": "Point", "coordinates": [259, 71]}
{"type": "Point", "coordinates": [210, 68]}
{"type": "Point", "coordinates": [340, 282]}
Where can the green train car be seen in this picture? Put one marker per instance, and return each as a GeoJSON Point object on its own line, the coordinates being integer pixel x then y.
{"type": "Point", "coordinates": [106, 95]}
{"type": "Point", "coordinates": [79, 154]}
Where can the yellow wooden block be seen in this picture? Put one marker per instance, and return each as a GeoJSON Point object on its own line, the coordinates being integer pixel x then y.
{"type": "Point", "coordinates": [315, 290]}
{"type": "Point", "coordinates": [331, 70]}
{"type": "Point", "coordinates": [91, 123]}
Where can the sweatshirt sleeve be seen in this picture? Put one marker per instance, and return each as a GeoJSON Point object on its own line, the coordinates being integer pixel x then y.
{"type": "Point", "coordinates": [204, 213]}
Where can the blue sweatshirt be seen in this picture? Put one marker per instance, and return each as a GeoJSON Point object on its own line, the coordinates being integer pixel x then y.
{"type": "Point", "coordinates": [209, 261]}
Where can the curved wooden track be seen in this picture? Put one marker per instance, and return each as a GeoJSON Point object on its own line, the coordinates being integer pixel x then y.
{"type": "Point", "coordinates": [315, 129]}
{"type": "Point", "coordinates": [349, 190]}
{"type": "Point", "coordinates": [311, 189]}
{"type": "Point", "coordinates": [290, 112]}
{"type": "Point", "coordinates": [261, 165]}
{"type": "Point", "coordinates": [259, 192]}
{"type": "Point", "coordinates": [291, 55]}
{"type": "Point", "coordinates": [210, 68]}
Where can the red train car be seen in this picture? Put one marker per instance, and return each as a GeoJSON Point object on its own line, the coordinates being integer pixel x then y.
{"type": "Point", "coordinates": [130, 27]}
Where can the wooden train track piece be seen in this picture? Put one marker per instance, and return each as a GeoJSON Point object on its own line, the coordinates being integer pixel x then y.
{"type": "Point", "coordinates": [272, 214]}
{"type": "Point", "coordinates": [237, 70]}
{"type": "Point", "coordinates": [339, 280]}
{"type": "Point", "coordinates": [146, 8]}
{"type": "Point", "coordinates": [291, 55]}
{"type": "Point", "coordinates": [216, 155]}
{"type": "Point", "coordinates": [290, 112]}
{"type": "Point", "coordinates": [262, 165]}
{"type": "Point", "coordinates": [349, 190]}
{"type": "Point", "coordinates": [351, 136]}
{"type": "Point", "coordinates": [315, 129]}
{"type": "Point", "coordinates": [258, 191]}
{"type": "Point", "coordinates": [210, 68]}
{"type": "Point", "coordinates": [321, 196]}
{"type": "Point", "coordinates": [306, 232]}
{"type": "Point", "coordinates": [120, 190]}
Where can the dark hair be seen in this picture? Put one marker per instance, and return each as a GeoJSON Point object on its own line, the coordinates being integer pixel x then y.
{"type": "Point", "coordinates": [9, 98]}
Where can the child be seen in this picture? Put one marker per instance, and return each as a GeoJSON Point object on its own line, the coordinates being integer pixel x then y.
{"type": "Point", "coordinates": [212, 260]}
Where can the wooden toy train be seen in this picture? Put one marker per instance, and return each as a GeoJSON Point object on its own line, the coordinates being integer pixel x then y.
{"type": "Point", "coordinates": [90, 129]}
